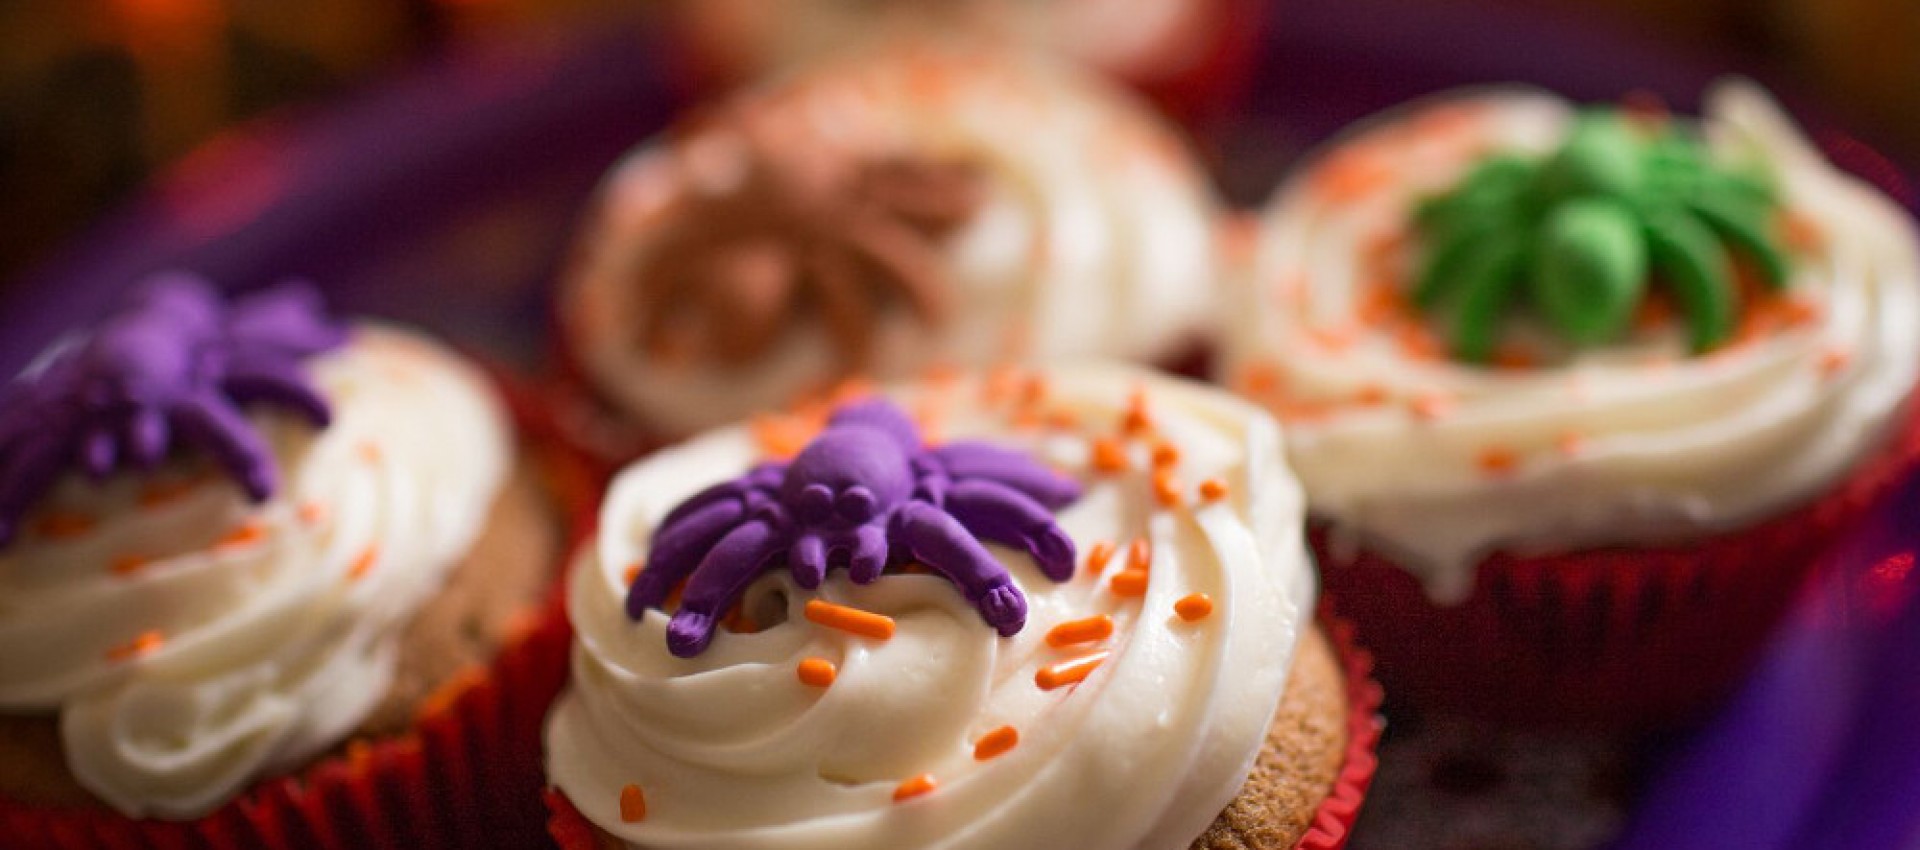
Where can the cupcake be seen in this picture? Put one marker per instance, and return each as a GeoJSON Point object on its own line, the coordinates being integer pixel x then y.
{"type": "Point", "coordinates": [1070, 608]}
{"type": "Point", "coordinates": [1577, 394]}
{"type": "Point", "coordinates": [1191, 56]}
{"type": "Point", "coordinates": [268, 580]}
{"type": "Point", "coordinates": [892, 212]}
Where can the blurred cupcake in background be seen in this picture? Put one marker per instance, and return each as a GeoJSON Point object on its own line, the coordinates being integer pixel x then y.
{"type": "Point", "coordinates": [936, 622]}
{"type": "Point", "coordinates": [1577, 395]}
{"type": "Point", "coordinates": [1191, 56]}
{"type": "Point", "coordinates": [268, 580]}
{"type": "Point", "coordinates": [923, 206]}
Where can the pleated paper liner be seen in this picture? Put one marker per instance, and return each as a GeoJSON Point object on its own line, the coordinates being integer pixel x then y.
{"type": "Point", "coordinates": [1332, 823]}
{"type": "Point", "coordinates": [468, 774]}
{"type": "Point", "coordinates": [1618, 638]}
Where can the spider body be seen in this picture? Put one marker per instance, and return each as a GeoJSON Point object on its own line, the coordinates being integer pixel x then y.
{"type": "Point", "coordinates": [864, 495]}
{"type": "Point", "coordinates": [175, 367]}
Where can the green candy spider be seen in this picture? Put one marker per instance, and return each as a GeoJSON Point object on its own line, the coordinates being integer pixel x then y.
{"type": "Point", "coordinates": [1577, 234]}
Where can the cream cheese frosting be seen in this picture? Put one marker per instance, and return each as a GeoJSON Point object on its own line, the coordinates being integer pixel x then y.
{"type": "Point", "coordinates": [1439, 463]}
{"type": "Point", "coordinates": [192, 643]}
{"type": "Point", "coordinates": [732, 750]}
{"type": "Point", "coordinates": [1093, 237]}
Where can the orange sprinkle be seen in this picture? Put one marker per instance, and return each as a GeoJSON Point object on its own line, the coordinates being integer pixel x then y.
{"type": "Point", "coordinates": [246, 534]}
{"type": "Point", "coordinates": [918, 786]}
{"type": "Point", "coordinates": [1063, 419]}
{"type": "Point", "coordinates": [1092, 629]}
{"type": "Point", "coordinates": [851, 389]}
{"type": "Point", "coordinates": [1098, 556]}
{"type": "Point", "coordinates": [1800, 231]}
{"type": "Point", "coordinates": [1193, 607]}
{"type": "Point", "coordinates": [1431, 406]}
{"type": "Point", "coordinates": [161, 492]}
{"type": "Point", "coordinates": [1140, 554]}
{"type": "Point", "coordinates": [447, 696]}
{"type": "Point", "coordinates": [1498, 460]}
{"type": "Point", "coordinates": [1334, 337]}
{"type": "Point", "coordinates": [370, 452]}
{"type": "Point", "coordinates": [1137, 418]}
{"type": "Point", "coordinates": [1165, 455]}
{"type": "Point", "coordinates": [633, 804]}
{"type": "Point", "coordinates": [63, 525]}
{"type": "Point", "coordinates": [363, 564]}
{"type": "Point", "coordinates": [816, 672]}
{"type": "Point", "coordinates": [1033, 391]}
{"type": "Point", "coordinates": [1129, 583]}
{"type": "Point", "coordinates": [1000, 383]}
{"type": "Point", "coordinates": [1419, 343]}
{"type": "Point", "coordinates": [127, 565]}
{"type": "Point", "coordinates": [1070, 672]}
{"type": "Point", "coordinates": [1351, 174]}
{"type": "Point", "coordinates": [312, 513]}
{"type": "Point", "coordinates": [996, 743]}
{"type": "Point", "coordinates": [1379, 303]}
{"type": "Point", "coordinates": [141, 644]}
{"type": "Point", "coordinates": [1259, 378]}
{"type": "Point", "coordinates": [1166, 490]}
{"type": "Point", "coordinates": [854, 620]}
{"type": "Point", "coordinates": [1570, 442]}
{"type": "Point", "coordinates": [1109, 455]}
{"type": "Point", "coordinates": [632, 573]}
{"type": "Point", "coordinates": [1213, 490]}
{"type": "Point", "coordinates": [739, 623]}
{"type": "Point", "coordinates": [1371, 394]}
{"type": "Point", "coordinates": [1834, 359]}
{"type": "Point", "coordinates": [781, 436]}
{"type": "Point", "coordinates": [1800, 311]}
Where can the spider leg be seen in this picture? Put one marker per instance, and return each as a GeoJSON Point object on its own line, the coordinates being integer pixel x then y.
{"type": "Point", "coordinates": [847, 312]}
{"type": "Point", "coordinates": [99, 449]}
{"type": "Point", "coordinates": [870, 552]}
{"type": "Point", "coordinates": [219, 428]}
{"type": "Point", "coordinates": [908, 261]}
{"type": "Point", "coordinates": [808, 560]}
{"type": "Point", "coordinates": [717, 583]}
{"type": "Point", "coordinates": [1002, 514]}
{"type": "Point", "coordinates": [287, 318]}
{"type": "Point", "coordinates": [277, 384]}
{"type": "Point", "coordinates": [975, 460]}
{"type": "Point", "coordinates": [27, 468]}
{"type": "Point", "coordinates": [932, 537]}
{"type": "Point", "coordinates": [145, 435]}
{"type": "Point", "coordinates": [764, 477]}
{"type": "Point", "coordinates": [683, 539]}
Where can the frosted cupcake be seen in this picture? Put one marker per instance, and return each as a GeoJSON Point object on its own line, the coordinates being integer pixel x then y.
{"type": "Point", "coordinates": [1600, 383]}
{"type": "Point", "coordinates": [882, 215]}
{"type": "Point", "coordinates": [267, 580]}
{"type": "Point", "coordinates": [960, 628]}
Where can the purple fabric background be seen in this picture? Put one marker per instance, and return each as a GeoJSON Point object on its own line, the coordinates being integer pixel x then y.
{"type": "Point", "coordinates": [444, 198]}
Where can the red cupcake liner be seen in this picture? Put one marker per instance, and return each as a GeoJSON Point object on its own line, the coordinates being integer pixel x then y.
{"type": "Point", "coordinates": [1217, 81]}
{"type": "Point", "coordinates": [1332, 823]}
{"type": "Point", "coordinates": [466, 776]}
{"type": "Point", "coordinates": [1617, 638]}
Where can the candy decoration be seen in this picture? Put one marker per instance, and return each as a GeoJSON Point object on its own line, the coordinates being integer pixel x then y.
{"type": "Point", "coordinates": [174, 368]}
{"type": "Point", "coordinates": [865, 494]}
{"type": "Point", "coordinates": [1588, 226]}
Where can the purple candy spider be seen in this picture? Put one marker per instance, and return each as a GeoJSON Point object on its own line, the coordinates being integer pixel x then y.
{"type": "Point", "coordinates": [865, 494]}
{"type": "Point", "coordinates": [176, 365]}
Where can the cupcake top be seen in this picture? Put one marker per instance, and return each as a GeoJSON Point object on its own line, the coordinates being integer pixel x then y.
{"type": "Point", "coordinates": [1098, 673]}
{"type": "Point", "coordinates": [898, 208]}
{"type": "Point", "coordinates": [1494, 321]}
{"type": "Point", "coordinates": [272, 496]}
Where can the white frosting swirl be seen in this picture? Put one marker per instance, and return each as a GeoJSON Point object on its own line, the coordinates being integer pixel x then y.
{"type": "Point", "coordinates": [1095, 238]}
{"type": "Point", "coordinates": [1441, 463]}
{"type": "Point", "coordinates": [732, 751]}
{"type": "Point", "coordinates": [192, 642]}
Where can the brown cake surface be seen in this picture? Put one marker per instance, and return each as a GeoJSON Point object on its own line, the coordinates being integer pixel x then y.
{"type": "Point", "coordinates": [505, 576]}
